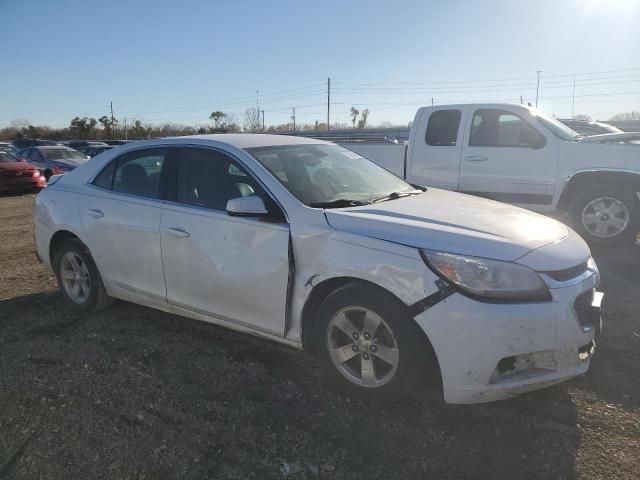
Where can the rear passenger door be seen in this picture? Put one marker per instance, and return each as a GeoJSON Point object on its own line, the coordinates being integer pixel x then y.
{"type": "Point", "coordinates": [233, 268]}
{"type": "Point", "coordinates": [434, 159]}
{"type": "Point", "coordinates": [120, 213]}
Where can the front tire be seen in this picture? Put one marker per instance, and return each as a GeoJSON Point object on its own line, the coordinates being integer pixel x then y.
{"type": "Point", "coordinates": [604, 214]}
{"type": "Point", "coordinates": [79, 279]}
{"type": "Point", "coordinates": [370, 347]}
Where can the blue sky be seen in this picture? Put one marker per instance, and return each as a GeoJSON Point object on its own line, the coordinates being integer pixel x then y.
{"type": "Point", "coordinates": [177, 61]}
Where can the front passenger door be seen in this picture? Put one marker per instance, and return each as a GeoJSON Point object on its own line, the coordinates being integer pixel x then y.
{"type": "Point", "coordinates": [233, 268]}
{"type": "Point", "coordinates": [505, 158]}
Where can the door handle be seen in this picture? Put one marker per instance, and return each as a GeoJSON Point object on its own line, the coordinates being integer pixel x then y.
{"type": "Point", "coordinates": [95, 213]}
{"type": "Point", "coordinates": [178, 232]}
{"type": "Point", "coordinates": [476, 158]}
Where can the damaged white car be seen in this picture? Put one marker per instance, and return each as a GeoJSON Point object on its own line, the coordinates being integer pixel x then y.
{"type": "Point", "coordinates": [309, 244]}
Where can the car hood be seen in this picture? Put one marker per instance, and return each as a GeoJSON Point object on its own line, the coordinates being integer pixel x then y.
{"type": "Point", "coordinates": [16, 166]}
{"type": "Point", "coordinates": [452, 222]}
{"type": "Point", "coordinates": [611, 137]}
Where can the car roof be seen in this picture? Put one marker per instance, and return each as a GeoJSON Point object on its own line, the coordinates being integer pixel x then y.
{"type": "Point", "coordinates": [51, 147]}
{"type": "Point", "coordinates": [252, 140]}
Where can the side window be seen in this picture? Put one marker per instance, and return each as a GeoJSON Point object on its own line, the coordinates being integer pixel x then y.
{"type": "Point", "coordinates": [500, 128]}
{"type": "Point", "coordinates": [105, 177]}
{"type": "Point", "coordinates": [207, 178]}
{"type": "Point", "coordinates": [34, 155]}
{"type": "Point", "coordinates": [442, 130]}
{"type": "Point", "coordinates": [138, 172]}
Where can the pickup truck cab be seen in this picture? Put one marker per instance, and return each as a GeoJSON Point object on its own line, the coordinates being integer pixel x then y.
{"type": "Point", "coordinates": [515, 154]}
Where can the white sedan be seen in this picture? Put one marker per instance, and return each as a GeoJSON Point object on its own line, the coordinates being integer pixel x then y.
{"type": "Point", "coordinates": [309, 244]}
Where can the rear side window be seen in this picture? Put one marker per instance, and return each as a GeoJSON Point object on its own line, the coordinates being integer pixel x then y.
{"type": "Point", "coordinates": [134, 173]}
{"type": "Point", "coordinates": [442, 130]}
{"type": "Point", "coordinates": [105, 177]}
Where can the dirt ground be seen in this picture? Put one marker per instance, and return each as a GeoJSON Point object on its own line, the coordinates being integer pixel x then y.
{"type": "Point", "coordinates": [133, 393]}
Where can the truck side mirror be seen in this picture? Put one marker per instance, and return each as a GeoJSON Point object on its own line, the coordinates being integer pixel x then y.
{"type": "Point", "coordinates": [537, 141]}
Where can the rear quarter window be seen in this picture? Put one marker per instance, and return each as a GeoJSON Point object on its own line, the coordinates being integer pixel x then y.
{"type": "Point", "coordinates": [442, 129]}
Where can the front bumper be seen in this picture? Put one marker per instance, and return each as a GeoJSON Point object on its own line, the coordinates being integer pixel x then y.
{"type": "Point", "coordinates": [493, 351]}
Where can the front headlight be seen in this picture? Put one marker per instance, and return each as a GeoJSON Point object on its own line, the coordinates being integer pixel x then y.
{"type": "Point", "coordinates": [488, 279]}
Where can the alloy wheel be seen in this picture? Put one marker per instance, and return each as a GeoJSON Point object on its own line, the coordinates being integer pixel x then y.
{"type": "Point", "coordinates": [605, 217]}
{"type": "Point", "coordinates": [362, 347]}
{"type": "Point", "coordinates": [74, 275]}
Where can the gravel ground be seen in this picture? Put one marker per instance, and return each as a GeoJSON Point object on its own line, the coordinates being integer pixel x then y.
{"type": "Point", "coordinates": [133, 393]}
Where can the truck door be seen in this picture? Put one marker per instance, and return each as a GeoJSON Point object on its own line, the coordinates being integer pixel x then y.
{"type": "Point", "coordinates": [434, 155]}
{"type": "Point", "coordinates": [506, 158]}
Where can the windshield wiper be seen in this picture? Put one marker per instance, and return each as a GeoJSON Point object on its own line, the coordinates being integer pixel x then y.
{"type": "Point", "coordinates": [339, 203]}
{"type": "Point", "coordinates": [396, 195]}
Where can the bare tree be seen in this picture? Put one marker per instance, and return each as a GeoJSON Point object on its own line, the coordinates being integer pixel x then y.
{"type": "Point", "coordinates": [354, 116]}
{"type": "Point", "coordinates": [251, 120]}
{"type": "Point", "coordinates": [633, 115]}
{"type": "Point", "coordinates": [362, 123]}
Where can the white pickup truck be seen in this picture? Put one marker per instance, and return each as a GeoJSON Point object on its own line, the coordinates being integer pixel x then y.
{"type": "Point", "coordinates": [515, 154]}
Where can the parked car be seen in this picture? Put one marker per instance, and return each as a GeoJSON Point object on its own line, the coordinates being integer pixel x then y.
{"type": "Point", "coordinates": [53, 160]}
{"type": "Point", "coordinates": [92, 151]}
{"type": "Point", "coordinates": [17, 176]}
{"type": "Point", "coordinates": [303, 242]}
{"type": "Point", "coordinates": [589, 128]}
{"type": "Point", "coordinates": [82, 145]}
{"type": "Point", "coordinates": [117, 142]}
{"type": "Point", "coordinates": [32, 142]}
{"type": "Point", "coordinates": [8, 147]}
{"type": "Point", "coordinates": [515, 154]}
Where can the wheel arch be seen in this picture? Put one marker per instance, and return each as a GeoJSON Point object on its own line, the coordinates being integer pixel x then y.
{"type": "Point", "coordinates": [323, 289]}
{"type": "Point", "coordinates": [56, 241]}
{"type": "Point", "coordinates": [584, 179]}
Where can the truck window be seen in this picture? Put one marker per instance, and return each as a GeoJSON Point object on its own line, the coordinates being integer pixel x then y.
{"type": "Point", "coordinates": [442, 130]}
{"type": "Point", "coordinates": [500, 128]}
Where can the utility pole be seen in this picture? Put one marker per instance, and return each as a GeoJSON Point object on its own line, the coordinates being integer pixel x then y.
{"type": "Point", "coordinates": [258, 105]}
{"type": "Point", "coordinates": [573, 98]}
{"type": "Point", "coordinates": [293, 117]}
{"type": "Point", "coordinates": [432, 101]}
{"type": "Point", "coordinates": [328, 99]}
{"type": "Point", "coordinates": [113, 125]}
{"type": "Point", "coordinates": [262, 119]}
{"type": "Point", "coordinates": [538, 86]}
{"type": "Point", "coordinates": [126, 137]}
{"type": "Point", "coordinates": [521, 100]}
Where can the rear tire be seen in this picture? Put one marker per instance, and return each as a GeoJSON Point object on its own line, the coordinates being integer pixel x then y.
{"type": "Point", "coordinates": [79, 279]}
{"type": "Point", "coordinates": [370, 347]}
{"type": "Point", "coordinates": [606, 214]}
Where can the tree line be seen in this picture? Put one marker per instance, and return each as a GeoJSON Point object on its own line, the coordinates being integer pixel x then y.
{"type": "Point", "coordinates": [105, 127]}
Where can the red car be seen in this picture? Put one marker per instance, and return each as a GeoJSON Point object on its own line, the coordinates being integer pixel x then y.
{"type": "Point", "coordinates": [16, 176]}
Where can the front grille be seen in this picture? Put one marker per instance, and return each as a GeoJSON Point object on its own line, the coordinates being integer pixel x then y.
{"type": "Point", "coordinates": [568, 273]}
{"type": "Point", "coordinates": [588, 316]}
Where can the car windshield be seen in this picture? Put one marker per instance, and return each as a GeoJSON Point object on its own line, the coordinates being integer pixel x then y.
{"type": "Point", "coordinates": [558, 129]}
{"type": "Point", "coordinates": [61, 154]}
{"type": "Point", "coordinates": [6, 157]}
{"type": "Point", "coordinates": [330, 176]}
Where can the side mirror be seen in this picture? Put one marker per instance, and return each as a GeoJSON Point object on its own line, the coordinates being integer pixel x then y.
{"type": "Point", "coordinates": [251, 206]}
{"type": "Point", "coordinates": [537, 142]}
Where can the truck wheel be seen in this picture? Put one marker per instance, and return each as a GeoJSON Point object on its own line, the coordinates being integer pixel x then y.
{"type": "Point", "coordinates": [606, 214]}
{"type": "Point", "coordinates": [369, 346]}
{"type": "Point", "coordinates": [79, 279]}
